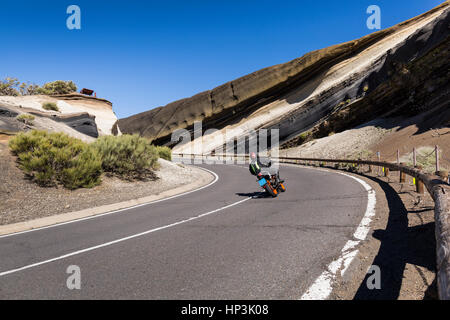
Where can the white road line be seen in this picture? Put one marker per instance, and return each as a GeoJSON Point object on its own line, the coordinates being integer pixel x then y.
{"type": "Point", "coordinates": [122, 239]}
{"type": "Point", "coordinates": [216, 178]}
{"type": "Point", "coordinates": [322, 287]}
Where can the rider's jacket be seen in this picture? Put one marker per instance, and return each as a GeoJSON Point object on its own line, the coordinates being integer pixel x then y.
{"type": "Point", "coordinates": [255, 166]}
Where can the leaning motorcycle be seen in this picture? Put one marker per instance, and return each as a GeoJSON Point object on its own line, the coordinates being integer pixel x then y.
{"type": "Point", "coordinates": [271, 183]}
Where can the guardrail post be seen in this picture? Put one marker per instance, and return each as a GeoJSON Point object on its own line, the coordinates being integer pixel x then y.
{"type": "Point", "coordinates": [379, 159]}
{"type": "Point", "coordinates": [436, 151]}
{"type": "Point", "coordinates": [402, 175]}
{"type": "Point", "coordinates": [443, 175]}
{"type": "Point", "coordinates": [419, 186]}
{"type": "Point", "coordinates": [419, 183]}
{"type": "Point", "coordinates": [386, 172]}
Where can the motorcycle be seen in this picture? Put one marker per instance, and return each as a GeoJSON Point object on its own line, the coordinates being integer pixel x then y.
{"type": "Point", "coordinates": [271, 183]}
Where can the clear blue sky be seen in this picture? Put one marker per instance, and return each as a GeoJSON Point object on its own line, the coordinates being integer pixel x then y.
{"type": "Point", "coordinates": [143, 54]}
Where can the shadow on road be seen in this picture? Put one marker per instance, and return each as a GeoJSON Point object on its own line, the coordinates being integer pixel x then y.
{"type": "Point", "coordinates": [400, 245]}
{"type": "Point", "coordinates": [254, 195]}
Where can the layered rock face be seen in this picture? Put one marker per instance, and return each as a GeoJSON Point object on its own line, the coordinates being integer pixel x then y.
{"type": "Point", "coordinates": [299, 95]}
{"type": "Point", "coordinates": [77, 114]}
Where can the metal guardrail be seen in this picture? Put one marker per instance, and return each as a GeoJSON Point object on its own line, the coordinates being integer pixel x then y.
{"type": "Point", "coordinates": [437, 187]}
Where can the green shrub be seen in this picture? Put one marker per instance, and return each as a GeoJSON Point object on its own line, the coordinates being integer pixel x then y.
{"type": "Point", "coordinates": [26, 118]}
{"type": "Point", "coordinates": [50, 106]}
{"type": "Point", "coordinates": [127, 156]}
{"type": "Point", "coordinates": [164, 153]}
{"type": "Point", "coordinates": [85, 170]}
{"type": "Point", "coordinates": [305, 137]}
{"type": "Point", "coordinates": [51, 158]}
{"type": "Point", "coordinates": [59, 87]}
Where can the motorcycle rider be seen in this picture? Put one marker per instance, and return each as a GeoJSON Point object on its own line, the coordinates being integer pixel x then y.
{"type": "Point", "coordinates": [256, 164]}
{"type": "Point", "coordinates": [256, 168]}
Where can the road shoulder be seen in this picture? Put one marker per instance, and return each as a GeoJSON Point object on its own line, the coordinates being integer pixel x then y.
{"type": "Point", "coordinates": [400, 243]}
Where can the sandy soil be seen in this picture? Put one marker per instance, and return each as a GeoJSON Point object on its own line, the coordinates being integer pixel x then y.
{"type": "Point", "coordinates": [409, 137]}
{"type": "Point", "coordinates": [21, 199]}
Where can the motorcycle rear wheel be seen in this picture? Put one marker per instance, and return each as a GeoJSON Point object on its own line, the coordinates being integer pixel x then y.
{"type": "Point", "coordinates": [271, 190]}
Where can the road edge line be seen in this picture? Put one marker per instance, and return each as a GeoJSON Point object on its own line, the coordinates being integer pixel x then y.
{"type": "Point", "coordinates": [322, 287]}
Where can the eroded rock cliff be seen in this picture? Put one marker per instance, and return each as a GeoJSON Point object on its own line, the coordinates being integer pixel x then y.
{"type": "Point", "coordinates": [77, 114]}
{"type": "Point", "coordinates": [298, 95]}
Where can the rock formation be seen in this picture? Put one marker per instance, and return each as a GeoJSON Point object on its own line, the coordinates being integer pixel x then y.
{"type": "Point", "coordinates": [302, 94]}
{"type": "Point", "coordinates": [77, 114]}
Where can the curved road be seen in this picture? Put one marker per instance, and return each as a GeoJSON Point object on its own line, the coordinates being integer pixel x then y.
{"type": "Point", "coordinates": [222, 242]}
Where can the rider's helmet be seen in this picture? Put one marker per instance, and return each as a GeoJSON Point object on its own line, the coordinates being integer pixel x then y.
{"type": "Point", "coordinates": [253, 156]}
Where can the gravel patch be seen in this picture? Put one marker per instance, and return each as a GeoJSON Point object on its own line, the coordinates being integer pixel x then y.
{"type": "Point", "coordinates": [351, 142]}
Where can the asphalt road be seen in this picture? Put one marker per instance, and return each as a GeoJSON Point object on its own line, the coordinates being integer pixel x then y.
{"type": "Point", "coordinates": [254, 248]}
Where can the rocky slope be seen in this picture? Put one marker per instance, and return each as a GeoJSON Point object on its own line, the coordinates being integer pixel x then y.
{"type": "Point", "coordinates": [78, 115]}
{"type": "Point", "coordinates": [356, 82]}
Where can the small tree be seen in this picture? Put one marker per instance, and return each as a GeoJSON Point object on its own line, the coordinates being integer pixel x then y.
{"type": "Point", "coordinates": [59, 87]}
{"type": "Point", "coordinates": [13, 87]}
{"type": "Point", "coordinates": [8, 87]}
{"type": "Point", "coordinates": [33, 89]}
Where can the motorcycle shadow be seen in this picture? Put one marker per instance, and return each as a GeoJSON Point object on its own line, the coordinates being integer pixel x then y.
{"type": "Point", "coordinates": [254, 195]}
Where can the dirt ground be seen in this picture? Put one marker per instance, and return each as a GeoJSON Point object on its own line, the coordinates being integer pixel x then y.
{"type": "Point", "coordinates": [409, 136]}
{"type": "Point", "coordinates": [21, 199]}
{"type": "Point", "coordinates": [4, 138]}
